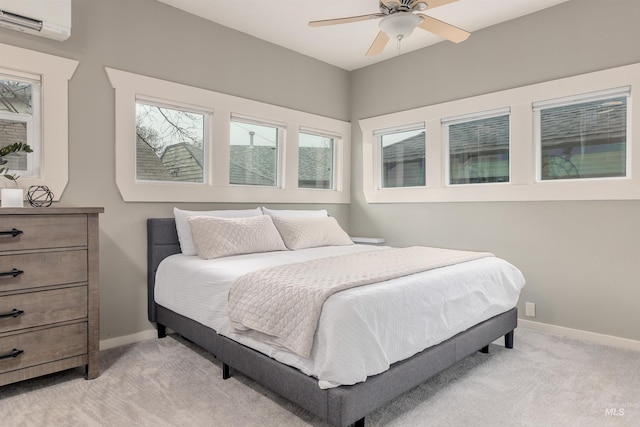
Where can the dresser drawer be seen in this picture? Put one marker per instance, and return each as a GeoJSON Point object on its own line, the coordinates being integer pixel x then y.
{"type": "Point", "coordinates": [34, 348]}
{"type": "Point", "coordinates": [24, 271]}
{"type": "Point", "coordinates": [20, 232]}
{"type": "Point", "coordinates": [42, 308]}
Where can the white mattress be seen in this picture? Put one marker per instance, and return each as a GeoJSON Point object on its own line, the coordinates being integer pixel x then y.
{"type": "Point", "coordinates": [361, 331]}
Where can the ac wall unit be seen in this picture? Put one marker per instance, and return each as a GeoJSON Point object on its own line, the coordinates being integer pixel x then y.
{"type": "Point", "coordinates": [45, 18]}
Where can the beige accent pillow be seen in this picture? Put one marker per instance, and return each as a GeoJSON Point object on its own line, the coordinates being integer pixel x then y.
{"type": "Point", "coordinates": [220, 237]}
{"type": "Point", "coordinates": [187, 246]}
{"type": "Point", "coordinates": [300, 233]}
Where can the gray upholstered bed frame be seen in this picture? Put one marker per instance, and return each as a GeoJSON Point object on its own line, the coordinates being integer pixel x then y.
{"type": "Point", "coordinates": [340, 406]}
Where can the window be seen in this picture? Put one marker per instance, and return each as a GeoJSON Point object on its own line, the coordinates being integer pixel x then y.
{"type": "Point", "coordinates": [584, 136]}
{"type": "Point", "coordinates": [316, 158]}
{"type": "Point", "coordinates": [47, 124]}
{"type": "Point", "coordinates": [180, 143]}
{"type": "Point", "coordinates": [566, 139]}
{"type": "Point", "coordinates": [170, 142]}
{"type": "Point", "coordinates": [402, 157]}
{"type": "Point", "coordinates": [478, 147]}
{"type": "Point", "coordinates": [20, 121]}
{"type": "Point", "coordinates": [254, 152]}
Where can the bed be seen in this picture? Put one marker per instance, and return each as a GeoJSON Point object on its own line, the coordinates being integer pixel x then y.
{"type": "Point", "coordinates": [342, 401]}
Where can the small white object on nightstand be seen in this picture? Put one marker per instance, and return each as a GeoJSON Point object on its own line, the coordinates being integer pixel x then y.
{"type": "Point", "coordinates": [368, 240]}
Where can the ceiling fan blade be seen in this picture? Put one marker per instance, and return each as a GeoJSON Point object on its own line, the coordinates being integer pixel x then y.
{"type": "Point", "coordinates": [378, 44]}
{"type": "Point", "coordinates": [443, 29]}
{"type": "Point", "coordinates": [336, 21]}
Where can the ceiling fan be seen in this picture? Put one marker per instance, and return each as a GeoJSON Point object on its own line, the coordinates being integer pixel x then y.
{"type": "Point", "coordinates": [399, 21]}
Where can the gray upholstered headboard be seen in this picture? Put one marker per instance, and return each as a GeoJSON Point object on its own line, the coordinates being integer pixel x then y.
{"type": "Point", "coordinates": [162, 241]}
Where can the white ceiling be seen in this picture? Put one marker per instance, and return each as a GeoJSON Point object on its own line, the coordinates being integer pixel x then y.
{"type": "Point", "coordinates": [284, 23]}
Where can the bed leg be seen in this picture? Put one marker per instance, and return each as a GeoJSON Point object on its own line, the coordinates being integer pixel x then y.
{"type": "Point", "coordinates": [508, 340]}
{"type": "Point", "coordinates": [485, 349]}
{"type": "Point", "coordinates": [162, 331]}
{"type": "Point", "coordinates": [359, 423]}
{"type": "Point", "coordinates": [226, 374]}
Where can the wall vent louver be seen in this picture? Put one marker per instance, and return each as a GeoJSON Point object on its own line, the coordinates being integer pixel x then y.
{"type": "Point", "coordinates": [44, 18]}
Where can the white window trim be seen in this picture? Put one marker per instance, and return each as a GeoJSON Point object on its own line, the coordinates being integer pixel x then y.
{"type": "Point", "coordinates": [55, 73]}
{"type": "Point", "coordinates": [128, 86]}
{"type": "Point", "coordinates": [523, 185]}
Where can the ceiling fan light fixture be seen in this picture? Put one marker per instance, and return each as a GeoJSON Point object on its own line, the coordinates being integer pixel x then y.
{"type": "Point", "coordinates": [399, 25]}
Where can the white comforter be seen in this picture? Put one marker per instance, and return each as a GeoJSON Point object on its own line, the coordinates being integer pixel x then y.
{"type": "Point", "coordinates": [361, 331]}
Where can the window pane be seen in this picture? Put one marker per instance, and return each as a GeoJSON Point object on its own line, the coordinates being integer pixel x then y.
{"type": "Point", "coordinates": [15, 97]}
{"type": "Point", "coordinates": [169, 144]}
{"type": "Point", "coordinates": [403, 155]}
{"type": "Point", "coordinates": [12, 131]}
{"type": "Point", "coordinates": [584, 140]}
{"type": "Point", "coordinates": [315, 161]}
{"type": "Point", "coordinates": [19, 123]}
{"type": "Point", "coordinates": [479, 151]}
{"type": "Point", "coordinates": [254, 154]}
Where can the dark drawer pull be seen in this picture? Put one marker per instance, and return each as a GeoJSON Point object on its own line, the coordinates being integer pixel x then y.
{"type": "Point", "coordinates": [13, 233]}
{"type": "Point", "coordinates": [14, 272]}
{"type": "Point", "coordinates": [14, 313]}
{"type": "Point", "coordinates": [13, 353]}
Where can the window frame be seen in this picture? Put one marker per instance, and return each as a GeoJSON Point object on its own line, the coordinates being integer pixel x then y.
{"type": "Point", "coordinates": [379, 134]}
{"type": "Point", "coordinates": [54, 73]}
{"type": "Point", "coordinates": [208, 118]}
{"type": "Point", "coordinates": [280, 138]}
{"type": "Point", "coordinates": [523, 185]}
{"type": "Point", "coordinates": [128, 86]}
{"type": "Point", "coordinates": [467, 118]}
{"type": "Point", "coordinates": [33, 121]}
{"type": "Point", "coordinates": [538, 106]}
{"type": "Point", "coordinates": [336, 143]}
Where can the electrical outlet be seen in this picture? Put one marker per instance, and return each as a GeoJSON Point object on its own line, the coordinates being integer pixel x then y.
{"type": "Point", "coordinates": [530, 309]}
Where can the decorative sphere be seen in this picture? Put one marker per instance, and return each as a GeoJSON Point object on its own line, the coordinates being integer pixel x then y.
{"type": "Point", "coordinates": [39, 196]}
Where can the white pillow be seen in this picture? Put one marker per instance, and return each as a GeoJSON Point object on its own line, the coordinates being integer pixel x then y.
{"type": "Point", "coordinates": [219, 237]}
{"type": "Point", "coordinates": [184, 231]}
{"type": "Point", "coordinates": [295, 213]}
{"type": "Point", "coordinates": [300, 233]}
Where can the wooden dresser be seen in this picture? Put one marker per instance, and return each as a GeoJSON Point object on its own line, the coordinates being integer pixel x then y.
{"type": "Point", "coordinates": [49, 291]}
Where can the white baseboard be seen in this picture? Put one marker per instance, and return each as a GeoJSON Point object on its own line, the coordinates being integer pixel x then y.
{"type": "Point", "coordinates": [128, 339]}
{"type": "Point", "coordinates": [581, 335]}
{"type": "Point", "coordinates": [544, 327]}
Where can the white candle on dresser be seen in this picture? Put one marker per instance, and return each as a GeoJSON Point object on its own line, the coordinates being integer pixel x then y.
{"type": "Point", "coordinates": [12, 198]}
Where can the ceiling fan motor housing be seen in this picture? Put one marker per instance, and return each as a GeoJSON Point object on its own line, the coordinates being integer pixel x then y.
{"type": "Point", "coordinates": [391, 7]}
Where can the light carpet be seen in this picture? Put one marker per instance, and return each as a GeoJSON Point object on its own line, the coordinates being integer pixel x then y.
{"type": "Point", "coordinates": [544, 381]}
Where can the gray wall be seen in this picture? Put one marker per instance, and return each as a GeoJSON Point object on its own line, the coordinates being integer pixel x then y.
{"type": "Point", "coordinates": [580, 258]}
{"type": "Point", "coordinates": [150, 38]}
